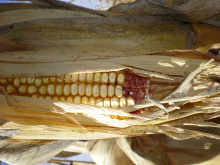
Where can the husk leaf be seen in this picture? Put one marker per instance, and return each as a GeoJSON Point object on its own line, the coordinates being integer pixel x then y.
{"type": "Point", "coordinates": [95, 35]}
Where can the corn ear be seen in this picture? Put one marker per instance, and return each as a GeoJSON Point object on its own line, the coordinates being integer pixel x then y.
{"type": "Point", "coordinates": [34, 116]}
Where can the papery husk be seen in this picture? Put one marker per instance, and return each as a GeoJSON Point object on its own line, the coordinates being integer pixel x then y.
{"type": "Point", "coordinates": [190, 11]}
{"type": "Point", "coordinates": [167, 63]}
{"type": "Point", "coordinates": [150, 153]}
{"type": "Point", "coordinates": [8, 133]}
{"type": "Point", "coordinates": [213, 21]}
{"type": "Point", "coordinates": [108, 152]}
{"type": "Point", "coordinates": [205, 34]}
{"type": "Point", "coordinates": [42, 119]}
{"type": "Point", "coordinates": [65, 5]}
{"type": "Point", "coordinates": [16, 6]}
{"type": "Point", "coordinates": [98, 36]}
{"type": "Point", "coordinates": [160, 149]}
{"type": "Point", "coordinates": [48, 4]}
{"type": "Point", "coordinates": [15, 16]}
{"type": "Point", "coordinates": [19, 153]}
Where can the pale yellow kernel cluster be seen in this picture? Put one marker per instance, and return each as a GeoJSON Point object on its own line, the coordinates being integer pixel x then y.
{"type": "Point", "coordinates": [102, 89]}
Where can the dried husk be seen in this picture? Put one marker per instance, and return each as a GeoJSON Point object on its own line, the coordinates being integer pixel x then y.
{"type": "Point", "coordinates": [19, 153]}
{"type": "Point", "coordinates": [160, 149]}
{"type": "Point", "coordinates": [15, 16]}
{"type": "Point", "coordinates": [151, 149]}
{"type": "Point", "coordinates": [213, 21]}
{"type": "Point", "coordinates": [65, 5]}
{"type": "Point", "coordinates": [109, 36]}
{"type": "Point", "coordinates": [34, 117]}
{"type": "Point", "coordinates": [206, 34]}
{"type": "Point", "coordinates": [190, 11]}
{"type": "Point", "coordinates": [108, 152]}
{"type": "Point", "coordinates": [16, 6]}
{"type": "Point", "coordinates": [144, 150]}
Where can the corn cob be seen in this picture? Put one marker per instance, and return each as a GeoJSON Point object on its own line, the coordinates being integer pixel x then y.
{"type": "Point", "coordinates": [109, 89]}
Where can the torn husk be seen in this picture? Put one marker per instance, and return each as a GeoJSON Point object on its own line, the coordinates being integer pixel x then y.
{"type": "Point", "coordinates": [42, 119]}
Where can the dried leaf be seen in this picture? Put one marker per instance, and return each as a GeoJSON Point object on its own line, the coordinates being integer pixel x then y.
{"type": "Point", "coordinates": [14, 16]}
{"type": "Point", "coordinates": [107, 152]}
{"type": "Point", "coordinates": [101, 37]}
{"type": "Point", "coordinates": [143, 150]}
{"type": "Point", "coordinates": [191, 11]}
{"type": "Point", "coordinates": [20, 153]}
{"type": "Point", "coordinates": [8, 133]}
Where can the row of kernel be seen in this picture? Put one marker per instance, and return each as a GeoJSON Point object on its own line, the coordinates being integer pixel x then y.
{"type": "Point", "coordinates": [113, 102]}
{"type": "Point", "coordinates": [97, 77]}
{"type": "Point", "coordinates": [68, 89]}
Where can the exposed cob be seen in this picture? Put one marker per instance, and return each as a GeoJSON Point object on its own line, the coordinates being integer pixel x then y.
{"type": "Point", "coordinates": [109, 89]}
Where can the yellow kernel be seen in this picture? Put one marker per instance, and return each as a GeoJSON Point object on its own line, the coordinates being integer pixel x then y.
{"type": "Point", "coordinates": [23, 80]}
{"type": "Point", "coordinates": [103, 91]}
{"type": "Point", "coordinates": [89, 90]}
{"type": "Point", "coordinates": [81, 89]}
{"type": "Point", "coordinates": [92, 101]}
{"type": "Point", "coordinates": [74, 89]}
{"type": "Point", "coordinates": [111, 91]}
{"type": "Point", "coordinates": [130, 101]}
{"type": "Point", "coordinates": [43, 90]}
{"type": "Point", "coordinates": [53, 79]}
{"type": "Point", "coordinates": [59, 89]}
{"type": "Point", "coordinates": [51, 89]}
{"type": "Point", "coordinates": [48, 98]}
{"type": "Point", "coordinates": [22, 89]}
{"type": "Point", "coordinates": [35, 95]}
{"type": "Point", "coordinates": [77, 99]}
{"type": "Point", "coordinates": [38, 82]}
{"type": "Point", "coordinates": [96, 90]}
{"type": "Point", "coordinates": [3, 81]}
{"type": "Point", "coordinates": [74, 77]}
{"type": "Point", "coordinates": [66, 89]}
{"type": "Point", "coordinates": [10, 89]}
{"type": "Point", "coordinates": [41, 97]}
{"type": "Point", "coordinates": [114, 116]}
{"type": "Point", "coordinates": [104, 78]}
{"type": "Point", "coordinates": [46, 80]}
{"type": "Point", "coordinates": [112, 78]}
{"type": "Point", "coordinates": [32, 89]}
{"type": "Point", "coordinates": [89, 77]}
{"type": "Point", "coordinates": [118, 91]}
{"type": "Point", "coordinates": [85, 100]}
{"type": "Point", "coordinates": [97, 77]}
{"type": "Point", "coordinates": [67, 78]}
{"type": "Point", "coordinates": [121, 79]}
{"type": "Point", "coordinates": [123, 101]}
{"type": "Point", "coordinates": [16, 82]}
{"type": "Point", "coordinates": [114, 102]}
{"type": "Point", "coordinates": [82, 77]}
{"type": "Point", "coordinates": [123, 118]}
{"type": "Point", "coordinates": [107, 102]}
{"type": "Point", "coordinates": [62, 98]}
{"type": "Point", "coordinates": [69, 99]}
{"type": "Point", "coordinates": [60, 79]}
{"type": "Point", "coordinates": [99, 102]}
{"type": "Point", "coordinates": [56, 98]}
{"type": "Point", "coordinates": [30, 80]}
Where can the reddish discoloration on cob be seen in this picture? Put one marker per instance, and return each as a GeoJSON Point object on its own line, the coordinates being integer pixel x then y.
{"type": "Point", "coordinates": [137, 87]}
